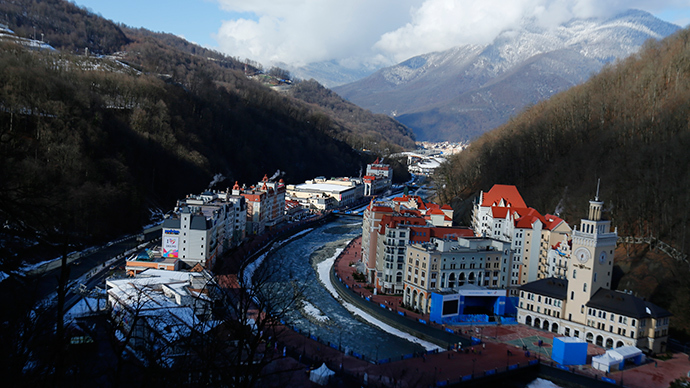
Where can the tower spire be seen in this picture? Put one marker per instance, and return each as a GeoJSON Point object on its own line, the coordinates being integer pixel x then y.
{"type": "Point", "coordinates": [596, 198]}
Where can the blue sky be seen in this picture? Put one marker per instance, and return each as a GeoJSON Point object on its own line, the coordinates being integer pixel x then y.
{"type": "Point", "coordinates": [374, 32]}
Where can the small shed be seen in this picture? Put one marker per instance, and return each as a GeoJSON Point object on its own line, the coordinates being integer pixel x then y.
{"type": "Point", "coordinates": [321, 375]}
{"type": "Point", "coordinates": [569, 351]}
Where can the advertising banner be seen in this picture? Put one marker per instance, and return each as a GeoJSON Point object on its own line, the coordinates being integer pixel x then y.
{"type": "Point", "coordinates": [171, 246]}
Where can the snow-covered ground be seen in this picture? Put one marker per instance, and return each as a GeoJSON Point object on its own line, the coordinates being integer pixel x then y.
{"type": "Point", "coordinates": [86, 306]}
{"type": "Point", "coordinates": [541, 383]}
{"type": "Point", "coordinates": [324, 269]}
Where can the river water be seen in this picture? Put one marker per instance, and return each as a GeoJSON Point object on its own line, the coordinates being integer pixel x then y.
{"type": "Point", "coordinates": [293, 267]}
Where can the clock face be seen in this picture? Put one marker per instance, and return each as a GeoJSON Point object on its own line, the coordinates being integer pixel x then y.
{"type": "Point", "coordinates": [602, 257]}
{"type": "Point", "coordinates": [582, 254]}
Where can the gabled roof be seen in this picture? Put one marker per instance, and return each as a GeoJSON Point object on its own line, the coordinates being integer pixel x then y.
{"type": "Point", "coordinates": [625, 304]}
{"type": "Point", "coordinates": [551, 287]}
{"type": "Point", "coordinates": [527, 217]}
{"type": "Point", "coordinates": [503, 195]}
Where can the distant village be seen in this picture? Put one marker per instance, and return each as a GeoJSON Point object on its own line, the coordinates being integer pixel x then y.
{"type": "Point", "coordinates": [512, 265]}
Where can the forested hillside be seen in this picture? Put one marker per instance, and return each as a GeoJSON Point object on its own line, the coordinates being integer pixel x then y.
{"type": "Point", "coordinates": [89, 143]}
{"type": "Point", "coordinates": [352, 124]}
{"type": "Point", "coordinates": [628, 126]}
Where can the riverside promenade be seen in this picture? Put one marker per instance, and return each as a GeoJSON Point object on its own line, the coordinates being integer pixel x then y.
{"type": "Point", "coordinates": [498, 361]}
{"type": "Point", "coordinates": [441, 367]}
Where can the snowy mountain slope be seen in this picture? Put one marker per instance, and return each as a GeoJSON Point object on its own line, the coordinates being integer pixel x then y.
{"type": "Point", "coordinates": [465, 91]}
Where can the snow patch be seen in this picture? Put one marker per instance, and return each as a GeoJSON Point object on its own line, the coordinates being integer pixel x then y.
{"type": "Point", "coordinates": [541, 383]}
{"type": "Point", "coordinates": [314, 312]}
{"type": "Point", "coordinates": [323, 270]}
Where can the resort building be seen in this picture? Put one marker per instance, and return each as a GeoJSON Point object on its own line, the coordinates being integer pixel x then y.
{"type": "Point", "coordinates": [446, 264]}
{"type": "Point", "coordinates": [379, 178]}
{"type": "Point", "coordinates": [147, 259]}
{"type": "Point", "coordinates": [342, 191]}
{"type": "Point", "coordinates": [502, 214]}
{"type": "Point", "coordinates": [158, 312]}
{"type": "Point", "coordinates": [389, 226]}
{"type": "Point", "coordinates": [582, 304]}
{"type": "Point", "coordinates": [204, 226]}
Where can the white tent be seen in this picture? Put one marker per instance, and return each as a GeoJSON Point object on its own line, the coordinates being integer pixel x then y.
{"type": "Point", "coordinates": [625, 352]}
{"type": "Point", "coordinates": [614, 359]}
{"type": "Point", "coordinates": [321, 374]}
{"type": "Point", "coordinates": [604, 362]}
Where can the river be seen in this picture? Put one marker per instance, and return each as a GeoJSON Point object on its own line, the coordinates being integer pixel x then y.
{"type": "Point", "coordinates": [294, 266]}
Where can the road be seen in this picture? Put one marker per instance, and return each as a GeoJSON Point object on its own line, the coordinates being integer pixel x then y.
{"type": "Point", "coordinates": [48, 283]}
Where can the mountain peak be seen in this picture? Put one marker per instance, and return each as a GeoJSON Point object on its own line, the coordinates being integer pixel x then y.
{"type": "Point", "coordinates": [462, 92]}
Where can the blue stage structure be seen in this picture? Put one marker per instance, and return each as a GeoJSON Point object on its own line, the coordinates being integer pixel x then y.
{"type": "Point", "coordinates": [470, 304]}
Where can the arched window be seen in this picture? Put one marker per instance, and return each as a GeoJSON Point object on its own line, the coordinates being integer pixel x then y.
{"type": "Point", "coordinates": [574, 274]}
{"type": "Point", "coordinates": [584, 287]}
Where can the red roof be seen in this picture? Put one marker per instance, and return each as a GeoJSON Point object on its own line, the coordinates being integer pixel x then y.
{"type": "Point", "coordinates": [412, 212]}
{"type": "Point", "coordinates": [379, 208]}
{"type": "Point", "coordinates": [443, 232]}
{"type": "Point", "coordinates": [508, 193]}
{"type": "Point", "coordinates": [499, 212]}
{"type": "Point", "coordinates": [432, 205]}
{"type": "Point", "coordinates": [422, 234]}
{"type": "Point", "coordinates": [393, 221]}
{"type": "Point", "coordinates": [527, 219]}
{"type": "Point", "coordinates": [552, 221]}
{"type": "Point", "coordinates": [291, 204]}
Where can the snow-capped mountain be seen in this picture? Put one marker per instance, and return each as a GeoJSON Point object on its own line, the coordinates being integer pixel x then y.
{"type": "Point", "coordinates": [462, 92]}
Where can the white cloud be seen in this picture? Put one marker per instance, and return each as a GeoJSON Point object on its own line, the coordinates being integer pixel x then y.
{"type": "Point", "coordinates": [298, 32]}
{"type": "Point", "coordinates": [304, 31]}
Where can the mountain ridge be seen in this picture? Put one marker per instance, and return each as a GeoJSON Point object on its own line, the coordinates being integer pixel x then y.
{"type": "Point", "coordinates": [429, 85]}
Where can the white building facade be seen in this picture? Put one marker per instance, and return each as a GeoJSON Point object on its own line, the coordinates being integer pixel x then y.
{"type": "Point", "coordinates": [582, 304]}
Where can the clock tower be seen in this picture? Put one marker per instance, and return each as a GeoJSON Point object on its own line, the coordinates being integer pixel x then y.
{"type": "Point", "coordinates": [591, 262]}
